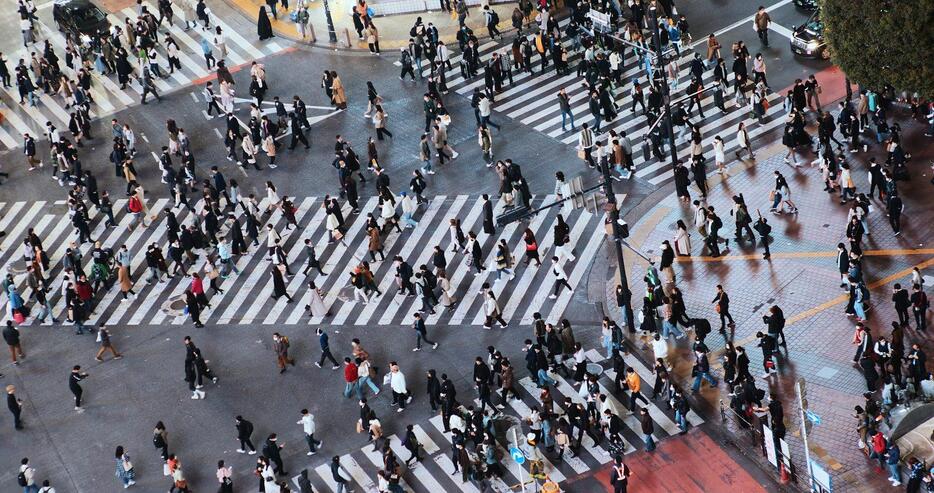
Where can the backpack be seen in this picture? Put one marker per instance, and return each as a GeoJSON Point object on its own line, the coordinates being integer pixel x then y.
{"type": "Point", "coordinates": [21, 478]}
{"type": "Point", "coordinates": [285, 341]}
{"type": "Point", "coordinates": [717, 223]}
{"type": "Point", "coordinates": [494, 18]}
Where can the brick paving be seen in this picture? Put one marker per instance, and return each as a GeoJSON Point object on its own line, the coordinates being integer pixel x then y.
{"type": "Point", "coordinates": [819, 346]}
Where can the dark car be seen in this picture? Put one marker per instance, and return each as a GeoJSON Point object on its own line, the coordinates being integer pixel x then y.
{"type": "Point", "coordinates": [806, 4]}
{"type": "Point", "coordinates": [77, 17]}
{"type": "Point", "coordinates": [808, 39]}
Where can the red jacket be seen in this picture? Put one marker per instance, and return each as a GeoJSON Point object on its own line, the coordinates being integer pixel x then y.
{"type": "Point", "coordinates": [878, 443]}
{"type": "Point", "coordinates": [196, 286]}
{"type": "Point", "coordinates": [83, 290]}
{"type": "Point", "coordinates": [350, 372]}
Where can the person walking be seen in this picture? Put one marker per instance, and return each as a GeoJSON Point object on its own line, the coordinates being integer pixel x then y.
{"type": "Point", "coordinates": [73, 384]}
{"type": "Point", "coordinates": [160, 440]}
{"type": "Point", "coordinates": [561, 279]}
{"type": "Point", "coordinates": [340, 475]}
{"type": "Point", "coordinates": [125, 470]}
{"type": "Point", "coordinates": [491, 311]}
{"type": "Point", "coordinates": [224, 474]}
{"type": "Point", "coordinates": [762, 22]}
{"type": "Point", "coordinates": [721, 304]}
{"type": "Point", "coordinates": [244, 432]}
{"type": "Point", "coordinates": [308, 427]}
{"type": "Point", "coordinates": [103, 338]}
{"type": "Point", "coordinates": [272, 451]}
{"type": "Point", "coordinates": [27, 477]}
{"type": "Point", "coordinates": [421, 333]}
{"type": "Point", "coordinates": [323, 341]}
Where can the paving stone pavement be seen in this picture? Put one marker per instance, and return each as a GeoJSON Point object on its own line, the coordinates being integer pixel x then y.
{"type": "Point", "coordinates": [805, 286]}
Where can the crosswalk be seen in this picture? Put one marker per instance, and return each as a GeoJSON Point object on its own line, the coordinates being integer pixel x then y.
{"type": "Point", "coordinates": [436, 471]}
{"type": "Point", "coordinates": [532, 101]}
{"type": "Point", "coordinates": [105, 90]}
{"type": "Point", "coordinates": [246, 297]}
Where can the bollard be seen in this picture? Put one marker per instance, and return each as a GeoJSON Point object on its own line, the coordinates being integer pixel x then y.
{"type": "Point", "coordinates": [347, 37]}
{"type": "Point", "coordinates": [311, 33]}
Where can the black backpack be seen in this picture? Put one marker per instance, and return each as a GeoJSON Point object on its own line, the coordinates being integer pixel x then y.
{"type": "Point", "coordinates": [21, 478]}
{"type": "Point", "coordinates": [494, 17]}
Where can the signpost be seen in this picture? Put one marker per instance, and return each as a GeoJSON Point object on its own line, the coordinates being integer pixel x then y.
{"type": "Point", "coordinates": [601, 20]}
{"type": "Point", "coordinates": [812, 417]}
{"type": "Point", "coordinates": [517, 455]}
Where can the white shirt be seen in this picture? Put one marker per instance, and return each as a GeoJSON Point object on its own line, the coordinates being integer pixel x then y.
{"type": "Point", "coordinates": [397, 382]}
{"type": "Point", "coordinates": [308, 423]}
{"type": "Point", "coordinates": [660, 348]}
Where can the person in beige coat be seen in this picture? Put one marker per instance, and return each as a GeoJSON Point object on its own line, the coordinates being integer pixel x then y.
{"type": "Point", "coordinates": [337, 91]}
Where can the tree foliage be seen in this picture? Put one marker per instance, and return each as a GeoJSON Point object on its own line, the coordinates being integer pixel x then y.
{"type": "Point", "coordinates": [882, 41]}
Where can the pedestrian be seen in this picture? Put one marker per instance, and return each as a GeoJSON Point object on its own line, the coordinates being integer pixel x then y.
{"type": "Point", "coordinates": [15, 405]}
{"type": "Point", "coordinates": [379, 121]}
{"type": "Point", "coordinates": [281, 348]}
{"type": "Point", "coordinates": [619, 476]}
{"type": "Point", "coordinates": [125, 470]}
{"type": "Point", "coordinates": [561, 279]}
{"type": "Point", "coordinates": [325, 349]}
{"type": "Point", "coordinates": [103, 338]}
{"type": "Point", "coordinates": [263, 26]}
{"type": "Point", "coordinates": [491, 311]}
{"type": "Point", "coordinates": [339, 475]}
{"type": "Point", "coordinates": [73, 384]}
{"type": "Point", "coordinates": [27, 477]}
{"type": "Point", "coordinates": [421, 333]}
{"type": "Point", "coordinates": [308, 427]}
{"type": "Point", "coordinates": [160, 440]}
{"type": "Point", "coordinates": [11, 336]}
{"type": "Point", "coordinates": [272, 451]}
{"type": "Point", "coordinates": [761, 21]}
{"type": "Point", "coordinates": [224, 474]}
{"type": "Point", "coordinates": [396, 380]}
{"type": "Point", "coordinates": [244, 432]}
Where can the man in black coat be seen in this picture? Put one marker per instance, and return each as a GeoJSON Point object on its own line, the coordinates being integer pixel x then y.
{"type": "Point", "coordinates": [488, 226]}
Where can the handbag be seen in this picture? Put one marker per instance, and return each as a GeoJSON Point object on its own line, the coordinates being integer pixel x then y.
{"type": "Point", "coordinates": [127, 465]}
{"type": "Point", "coordinates": [166, 471]}
{"type": "Point", "coordinates": [359, 426]}
{"type": "Point", "coordinates": [765, 105]}
{"type": "Point", "coordinates": [18, 317]}
{"type": "Point", "coordinates": [581, 154]}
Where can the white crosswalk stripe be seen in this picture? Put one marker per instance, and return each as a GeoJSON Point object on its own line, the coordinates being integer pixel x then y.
{"type": "Point", "coordinates": [106, 92]}
{"type": "Point", "coordinates": [532, 101]}
{"type": "Point", "coordinates": [246, 297]}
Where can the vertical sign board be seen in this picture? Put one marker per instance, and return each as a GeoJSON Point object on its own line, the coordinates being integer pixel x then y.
{"type": "Point", "coordinates": [768, 440]}
{"type": "Point", "coordinates": [821, 478]}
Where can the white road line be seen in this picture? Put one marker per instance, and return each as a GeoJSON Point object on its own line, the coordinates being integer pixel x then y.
{"type": "Point", "coordinates": [740, 22]}
{"type": "Point", "coordinates": [574, 279]}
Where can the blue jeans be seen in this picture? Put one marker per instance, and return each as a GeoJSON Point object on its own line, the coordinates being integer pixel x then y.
{"type": "Point", "coordinates": [607, 342]}
{"type": "Point", "coordinates": [408, 221]}
{"type": "Point", "coordinates": [894, 475]}
{"type": "Point", "coordinates": [649, 443]}
{"type": "Point", "coordinates": [860, 311]}
{"type": "Point", "coordinates": [369, 383]}
{"type": "Point", "coordinates": [499, 273]}
{"type": "Point", "coordinates": [682, 423]}
{"type": "Point", "coordinates": [31, 489]}
{"type": "Point", "coordinates": [350, 387]}
{"type": "Point", "coordinates": [703, 376]}
{"type": "Point", "coordinates": [597, 121]}
{"type": "Point", "coordinates": [427, 165]}
{"type": "Point", "coordinates": [670, 328]}
{"type": "Point", "coordinates": [564, 117]}
{"type": "Point", "coordinates": [544, 379]}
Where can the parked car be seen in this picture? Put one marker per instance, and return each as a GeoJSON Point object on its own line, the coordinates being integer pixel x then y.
{"type": "Point", "coordinates": [806, 4]}
{"type": "Point", "coordinates": [79, 17]}
{"type": "Point", "coordinates": [808, 39]}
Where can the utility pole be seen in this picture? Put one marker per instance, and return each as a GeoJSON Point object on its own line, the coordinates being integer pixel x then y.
{"type": "Point", "coordinates": [666, 97]}
{"type": "Point", "coordinates": [332, 35]}
{"type": "Point", "coordinates": [613, 216]}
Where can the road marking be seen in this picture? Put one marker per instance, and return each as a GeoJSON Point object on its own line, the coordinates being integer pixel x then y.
{"type": "Point", "coordinates": [740, 22]}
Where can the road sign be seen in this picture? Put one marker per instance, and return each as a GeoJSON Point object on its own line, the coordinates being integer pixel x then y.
{"type": "Point", "coordinates": [812, 417]}
{"type": "Point", "coordinates": [601, 20]}
{"type": "Point", "coordinates": [517, 455]}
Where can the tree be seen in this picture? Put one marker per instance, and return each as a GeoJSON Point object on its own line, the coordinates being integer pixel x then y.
{"type": "Point", "coordinates": [882, 42]}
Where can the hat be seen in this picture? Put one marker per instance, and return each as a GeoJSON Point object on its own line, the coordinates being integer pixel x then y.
{"type": "Point", "coordinates": [530, 438]}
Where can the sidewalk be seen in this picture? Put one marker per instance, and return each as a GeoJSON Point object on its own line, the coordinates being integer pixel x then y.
{"type": "Point", "coordinates": [393, 30]}
{"type": "Point", "coordinates": [802, 279]}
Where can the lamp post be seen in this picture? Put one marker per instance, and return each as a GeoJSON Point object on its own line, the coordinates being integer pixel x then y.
{"type": "Point", "coordinates": [613, 216]}
{"type": "Point", "coordinates": [332, 34]}
{"type": "Point", "coordinates": [666, 96]}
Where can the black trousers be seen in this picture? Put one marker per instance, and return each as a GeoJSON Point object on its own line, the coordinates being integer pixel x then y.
{"type": "Point", "coordinates": [247, 444]}
{"type": "Point", "coordinates": [77, 393]}
{"type": "Point", "coordinates": [326, 354]}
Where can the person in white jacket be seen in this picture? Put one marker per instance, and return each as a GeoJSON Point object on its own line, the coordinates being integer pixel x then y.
{"type": "Point", "coordinates": [308, 426]}
{"type": "Point", "coordinates": [719, 154]}
{"type": "Point", "coordinates": [409, 206]}
{"type": "Point", "coordinates": [660, 348]}
{"type": "Point", "coordinates": [400, 393]}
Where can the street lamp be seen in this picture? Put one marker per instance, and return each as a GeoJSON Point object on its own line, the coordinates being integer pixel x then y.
{"type": "Point", "coordinates": [332, 34]}
{"type": "Point", "coordinates": [656, 41]}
